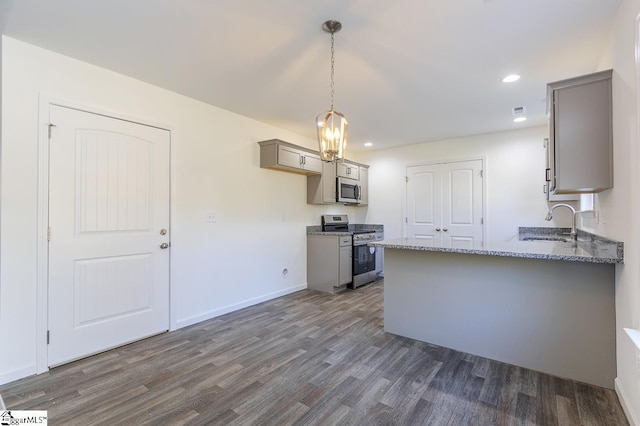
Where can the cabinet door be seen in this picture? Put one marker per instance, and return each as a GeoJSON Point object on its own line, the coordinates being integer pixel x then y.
{"type": "Point", "coordinates": [364, 186]}
{"type": "Point", "coordinates": [581, 135]}
{"type": "Point", "coordinates": [329, 195]}
{"type": "Point", "coordinates": [348, 170]}
{"type": "Point", "coordinates": [548, 173]}
{"type": "Point", "coordinates": [345, 265]}
{"type": "Point", "coordinates": [312, 163]}
{"type": "Point", "coordinates": [289, 157]}
{"type": "Point", "coordinates": [379, 260]}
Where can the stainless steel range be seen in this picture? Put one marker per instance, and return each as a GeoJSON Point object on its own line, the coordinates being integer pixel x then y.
{"type": "Point", "coordinates": [364, 258]}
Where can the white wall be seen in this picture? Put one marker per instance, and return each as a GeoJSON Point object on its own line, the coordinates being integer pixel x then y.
{"type": "Point", "coordinates": [215, 267]}
{"type": "Point", "coordinates": [514, 176]}
{"type": "Point", "coordinates": [619, 207]}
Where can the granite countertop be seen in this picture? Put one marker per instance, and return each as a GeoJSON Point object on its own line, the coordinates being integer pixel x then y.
{"type": "Point", "coordinates": [317, 230]}
{"type": "Point", "coordinates": [588, 248]}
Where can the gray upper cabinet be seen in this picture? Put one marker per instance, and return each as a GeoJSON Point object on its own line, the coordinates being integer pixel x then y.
{"type": "Point", "coordinates": [545, 189]}
{"type": "Point", "coordinates": [348, 169]}
{"type": "Point", "coordinates": [580, 134]}
{"type": "Point", "coordinates": [321, 189]}
{"type": "Point", "coordinates": [280, 155]}
{"type": "Point", "coordinates": [364, 185]}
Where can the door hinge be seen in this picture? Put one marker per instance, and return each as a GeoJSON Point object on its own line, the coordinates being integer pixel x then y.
{"type": "Point", "coordinates": [48, 233]}
{"type": "Point", "coordinates": [48, 337]}
{"type": "Point", "coordinates": [481, 221]}
{"type": "Point", "coordinates": [50, 125]}
{"type": "Point", "coordinates": [481, 173]}
{"type": "Point", "coordinates": [406, 220]}
{"type": "Point", "coordinates": [406, 179]}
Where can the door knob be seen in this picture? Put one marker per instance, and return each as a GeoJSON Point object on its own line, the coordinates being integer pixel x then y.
{"type": "Point", "coordinates": [164, 246]}
{"type": "Point", "coordinates": [163, 231]}
{"type": "Point", "coordinates": [438, 229]}
{"type": "Point", "coordinates": [445, 229]}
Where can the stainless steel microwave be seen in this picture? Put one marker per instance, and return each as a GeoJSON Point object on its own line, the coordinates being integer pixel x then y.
{"type": "Point", "coordinates": [348, 191]}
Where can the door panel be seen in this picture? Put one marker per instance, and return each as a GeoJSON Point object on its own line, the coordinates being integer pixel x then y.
{"type": "Point", "coordinates": [111, 288]}
{"type": "Point", "coordinates": [113, 182]}
{"type": "Point", "coordinates": [109, 199]}
{"type": "Point", "coordinates": [461, 200]}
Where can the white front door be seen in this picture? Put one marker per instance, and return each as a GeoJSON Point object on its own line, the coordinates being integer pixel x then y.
{"type": "Point", "coordinates": [444, 203]}
{"type": "Point", "coordinates": [108, 217]}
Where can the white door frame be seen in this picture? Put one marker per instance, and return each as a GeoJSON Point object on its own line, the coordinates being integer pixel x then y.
{"type": "Point", "coordinates": [405, 225]}
{"type": "Point", "coordinates": [42, 266]}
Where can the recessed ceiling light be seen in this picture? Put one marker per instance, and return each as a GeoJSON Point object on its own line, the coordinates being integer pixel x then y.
{"type": "Point", "coordinates": [368, 144]}
{"type": "Point", "coordinates": [519, 119]}
{"type": "Point", "coordinates": [511, 78]}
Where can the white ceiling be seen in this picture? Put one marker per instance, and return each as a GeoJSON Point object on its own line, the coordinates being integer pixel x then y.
{"type": "Point", "coordinates": [407, 71]}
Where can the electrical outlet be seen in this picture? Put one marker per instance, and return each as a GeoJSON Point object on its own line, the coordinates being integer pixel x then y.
{"type": "Point", "coordinates": [211, 217]}
{"type": "Point", "coordinates": [284, 217]}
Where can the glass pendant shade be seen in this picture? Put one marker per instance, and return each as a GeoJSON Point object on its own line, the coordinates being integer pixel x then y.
{"type": "Point", "coordinates": [332, 135]}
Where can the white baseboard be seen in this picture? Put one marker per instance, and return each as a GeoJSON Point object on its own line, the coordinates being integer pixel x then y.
{"type": "Point", "coordinates": [17, 374]}
{"type": "Point", "coordinates": [626, 406]}
{"type": "Point", "coordinates": [230, 308]}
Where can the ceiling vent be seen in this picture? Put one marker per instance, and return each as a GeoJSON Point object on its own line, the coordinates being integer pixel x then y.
{"type": "Point", "coordinates": [518, 111]}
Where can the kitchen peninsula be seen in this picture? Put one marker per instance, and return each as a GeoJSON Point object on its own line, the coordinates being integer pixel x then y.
{"type": "Point", "coordinates": [544, 305]}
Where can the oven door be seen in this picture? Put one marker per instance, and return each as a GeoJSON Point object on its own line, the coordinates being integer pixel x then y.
{"type": "Point", "coordinates": [364, 259]}
{"type": "Point", "coordinates": [348, 190]}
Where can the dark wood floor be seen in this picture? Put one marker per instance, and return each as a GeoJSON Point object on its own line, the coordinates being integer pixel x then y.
{"type": "Point", "coordinates": [308, 358]}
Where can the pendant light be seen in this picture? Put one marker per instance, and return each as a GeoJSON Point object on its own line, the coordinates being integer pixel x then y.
{"type": "Point", "coordinates": [331, 125]}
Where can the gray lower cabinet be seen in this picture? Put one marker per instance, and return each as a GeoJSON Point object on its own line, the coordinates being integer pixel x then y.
{"type": "Point", "coordinates": [329, 262]}
{"type": "Point", "coordinates": [580, 134]}
{"type": "Point", "coordinates": [280, 155]}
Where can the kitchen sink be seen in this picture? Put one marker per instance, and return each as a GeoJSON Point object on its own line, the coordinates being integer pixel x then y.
{"type": "Point", "coordinates": [557, 238]}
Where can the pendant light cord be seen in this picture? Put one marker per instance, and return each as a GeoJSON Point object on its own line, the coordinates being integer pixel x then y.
{"type": "Point", "coordinates": [332, 71]}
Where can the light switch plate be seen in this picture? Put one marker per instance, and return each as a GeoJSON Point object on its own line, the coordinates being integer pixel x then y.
{"type": "Point", "coordinates": [211, 217]}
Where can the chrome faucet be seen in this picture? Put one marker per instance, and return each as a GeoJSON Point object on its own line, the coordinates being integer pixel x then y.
{"type": "Point", "coordinates": [574, 232]}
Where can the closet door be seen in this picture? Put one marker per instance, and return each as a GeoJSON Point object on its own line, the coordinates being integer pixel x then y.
{"type": "Point", "coordinates": [424, 203]}
{"type": "Point", "coordinates": [444, 203]}
{"type": "Point", "coordinates": [462, 204]}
